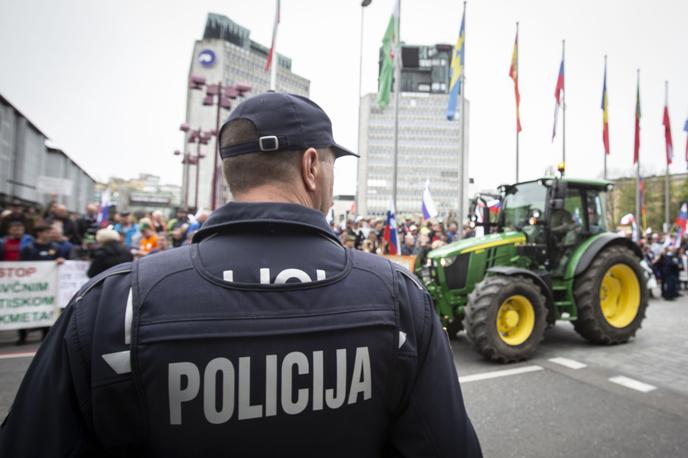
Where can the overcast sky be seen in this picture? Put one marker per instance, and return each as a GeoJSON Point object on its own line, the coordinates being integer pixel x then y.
{"type": "Point", "coordinates": [106, 80]}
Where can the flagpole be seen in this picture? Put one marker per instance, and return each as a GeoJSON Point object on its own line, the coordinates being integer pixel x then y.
{"type": "Point", "coordinates": [397, 90]}
{"type": "Point", "coordinates": [462, 162]}
{"type": "Point", "coordinates": [274, 64]}
{"type": "Point", "coordinates": [517, 113]}
{"type": "Point", "coordinates": [637, 171]}
{"type": "Point", "coordinates": [364, 3]}
{"type": "Point", "coordinates": [563, 143]}
{"type": "Point", "coordinates": [605, 108]}
{"type": "Point", "coordinates": [667, 196]}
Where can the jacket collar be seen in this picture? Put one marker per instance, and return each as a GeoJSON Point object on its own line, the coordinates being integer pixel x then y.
{"type": "Point", "coordinates": [234, 214]}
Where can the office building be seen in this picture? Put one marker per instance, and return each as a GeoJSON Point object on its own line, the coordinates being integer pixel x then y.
{"type": "Point", "coordinates": [226, 54]}
{"type": "Point", "coordinates": [429, 144]}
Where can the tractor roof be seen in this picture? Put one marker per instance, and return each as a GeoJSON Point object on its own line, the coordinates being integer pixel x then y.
{"type": "Point", "coordinates": [578, 182]}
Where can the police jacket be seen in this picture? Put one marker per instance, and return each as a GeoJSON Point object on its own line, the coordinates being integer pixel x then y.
{"type": "Point", "coordinates": [265, 337]}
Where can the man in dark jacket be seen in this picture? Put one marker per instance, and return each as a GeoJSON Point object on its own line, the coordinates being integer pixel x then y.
{"type": "Point", "coordinates": [41, 249]}
{"type": "Point", "coordinates": [110, 253]}
{"type": "Point", "coordinates": [265, 337]}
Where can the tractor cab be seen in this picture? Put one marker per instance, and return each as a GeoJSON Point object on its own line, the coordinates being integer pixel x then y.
{"type": "Point", "coordinates": [555, 215]}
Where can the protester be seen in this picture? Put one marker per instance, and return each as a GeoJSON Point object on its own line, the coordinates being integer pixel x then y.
{"type": "Point", "coordinates": [110, 252]}
{"type": "Point", "coordinates": [69, 229]}
{"type": "Point", "coordinates": [128, 228]}
{"type": "Point", "coordinates": [671, 266]}
{"type": "Point", "coordinates": [65, 249]}
{"type": "Point", "coordinates": [163, 244]}
{"type": "Point", "coordinates": [15, 212]}
{"type": "Point", "coordinates": [201, 217]}
{"type": "Point", "coordinates": [149, 238]}
{"type": "Point", "coordinates": [43, 248]}
{"type": "Point", "coordinates": [12, 244]}
{"type": "Point", "coordinates": [87, 225]}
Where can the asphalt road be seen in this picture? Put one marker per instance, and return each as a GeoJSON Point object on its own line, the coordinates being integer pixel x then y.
{"type": "Point", "coordinates": [549, 406]}
{"type": "Point", "coordinates": [562, 402]}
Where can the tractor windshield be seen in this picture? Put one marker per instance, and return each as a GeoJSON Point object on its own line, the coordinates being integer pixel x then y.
{"type": "Point", "coordinates": [522, 202]}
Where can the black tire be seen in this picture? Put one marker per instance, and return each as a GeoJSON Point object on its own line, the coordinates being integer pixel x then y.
{"type": "Point", "coordinates": [481, 317]}
{"type": "Point", "coordinates": [454, 327]}
{"type": "Point", "coordinates": [591, 323]}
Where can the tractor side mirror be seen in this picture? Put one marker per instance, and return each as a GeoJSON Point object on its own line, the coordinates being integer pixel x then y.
{"type": "Point", "coordinates": [557, 204]}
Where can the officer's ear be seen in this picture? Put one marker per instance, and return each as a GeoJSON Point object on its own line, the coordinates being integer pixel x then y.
{"type": "Point", "coordinates": [310, 169]}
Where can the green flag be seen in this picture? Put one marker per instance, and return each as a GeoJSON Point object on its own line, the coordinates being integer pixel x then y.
{"type": "Point", "coordinates": [389, 42]}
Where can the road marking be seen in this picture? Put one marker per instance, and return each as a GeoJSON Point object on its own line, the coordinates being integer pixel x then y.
{"type": "Point", "coordinates": [497, 374]}
{"type": "Point", "coordinates": [17, 355]}
{"type": "Point", "coordinates": [632, 384]}
{"type": "Point", "coordinates": [570, 363]}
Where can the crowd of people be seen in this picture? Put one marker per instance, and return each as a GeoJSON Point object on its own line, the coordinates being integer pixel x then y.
{"type": "Point", "coordinates": [26, 233]}
{"type": "Point", "coordinates": [415, 236]}
{"type": "Point", "coordinates": [53, 233]}
{"type": "Point", "coordinates": [31, 234]}
{"type": "Point", "coordinates": [667, 258]}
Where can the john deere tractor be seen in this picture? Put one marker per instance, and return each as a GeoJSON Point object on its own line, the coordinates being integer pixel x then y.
{"type": "Point", "coordinates": [550, 257]}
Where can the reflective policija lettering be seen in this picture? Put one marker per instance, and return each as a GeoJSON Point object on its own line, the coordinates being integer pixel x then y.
{"type": "Point", "coordinates": [185, 384]}
{"type": "Point", "coordinates": [282, 277]}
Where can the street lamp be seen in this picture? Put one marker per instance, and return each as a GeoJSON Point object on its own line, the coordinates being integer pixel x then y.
{"type": "Point", "coordinates": [199, 137]}
{"type": "Point", "coordinates": [220, 95]}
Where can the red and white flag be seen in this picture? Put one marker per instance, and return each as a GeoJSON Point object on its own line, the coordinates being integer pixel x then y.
{"type": "Point", "coordinates": [268, 61]}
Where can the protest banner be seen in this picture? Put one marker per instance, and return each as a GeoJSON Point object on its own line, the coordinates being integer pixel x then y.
{"type": "Point", "coordinates": [71, 276]}
{"type": "Point", "coordinates": [28, 294]}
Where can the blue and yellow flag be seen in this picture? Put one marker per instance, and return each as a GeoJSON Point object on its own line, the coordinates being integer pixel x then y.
{"type": "Point", "coordinates": [456, 70]}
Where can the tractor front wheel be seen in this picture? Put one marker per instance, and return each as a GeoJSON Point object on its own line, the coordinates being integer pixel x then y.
{"type": "Point", "coordinates": [506, 318]}
{"type": "Point", "coordinates": [611, 297]}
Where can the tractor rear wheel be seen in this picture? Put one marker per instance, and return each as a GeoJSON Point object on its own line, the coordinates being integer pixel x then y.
{"type": "Point", "coordinates": [611, 297]}
{"type": "Point", "coordinates": [506, 318]}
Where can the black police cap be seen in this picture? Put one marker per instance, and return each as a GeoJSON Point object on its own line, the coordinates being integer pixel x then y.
{"type": "Point", "coordinates": [285, 122]}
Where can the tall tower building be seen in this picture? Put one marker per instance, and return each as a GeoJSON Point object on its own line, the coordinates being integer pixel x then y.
{"type": "Point", "coordinates": [429, 144]}
{"type": "Point", "coordinates": [226, 54]}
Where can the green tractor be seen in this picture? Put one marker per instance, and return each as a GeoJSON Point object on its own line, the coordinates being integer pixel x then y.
{"type": "Point", "coordinates": [550, 257]}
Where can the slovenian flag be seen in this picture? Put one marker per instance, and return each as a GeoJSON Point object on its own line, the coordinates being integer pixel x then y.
{"type": "Point", "coordinates": [456, 70]}
{"type": "Point", "coordinates": [104, 209]}
{"type": "Point", "coordinates": [428, 206]}
{"type": "Point", "coordinates": [391, 235]}
{"type": "Point", "coordinates": [557, 96]}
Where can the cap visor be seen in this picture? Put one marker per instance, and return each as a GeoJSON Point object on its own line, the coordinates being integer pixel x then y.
{"type": "Point", "coordinates": [340, 151]}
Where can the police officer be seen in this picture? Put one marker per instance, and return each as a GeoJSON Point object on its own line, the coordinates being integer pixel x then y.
{"type": "Point", "coordinates": [264, 337]}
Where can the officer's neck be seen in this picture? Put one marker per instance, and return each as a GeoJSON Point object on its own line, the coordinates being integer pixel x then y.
{"type": "Point", "coordinates": [277, 194]}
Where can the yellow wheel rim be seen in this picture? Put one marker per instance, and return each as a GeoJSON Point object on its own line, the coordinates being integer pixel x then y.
{"type": "Point", "coordinates": [515, 320]}
{"type": "Point", "coordinates": [620, 295]}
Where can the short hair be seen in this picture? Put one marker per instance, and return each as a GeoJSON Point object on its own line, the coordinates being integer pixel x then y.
{"type": "Point", "coordinates": [247, 171]}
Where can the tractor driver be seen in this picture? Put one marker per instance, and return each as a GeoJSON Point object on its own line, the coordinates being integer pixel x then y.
{"type": "Point", "coordinates": [563, 226]}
